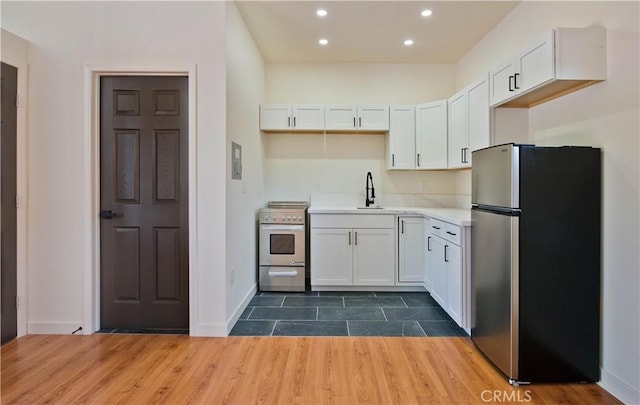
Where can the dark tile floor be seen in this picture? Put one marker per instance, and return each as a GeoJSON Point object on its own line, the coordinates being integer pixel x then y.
{"type": "Point", "coordinates": [341, 313]}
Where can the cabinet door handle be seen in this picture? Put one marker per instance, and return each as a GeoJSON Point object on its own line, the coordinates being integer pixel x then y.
{"type": "Point", "coordinates": [288, 122]}
{"type": "Point", "coordinates": [356, 238]}
{"type": "Point", "coordinates": [445, 253]}
{"type": "Point", "coordinates": [393, 160]}
{"type": "Point", "coordinates": [354, 122]}
{"type": "Point", "coordinates": [515, 81]}
{"type": "Point", "coordinates": [428, 243]}
{"type": "Point", "coordinates": [462, 155]}
{"type": "Point", "coordinates": [294, 122]}
{"type": "Point", "coordinates": [359, 122]}
{"type": "Point", "coordinates": [349, 238]}
{"type": "Point", "coordinates": [418, 160]}
{"type": "Point", "coordinates": [510, 85]}
{"type": "Point", "coordinates": [402, 226]}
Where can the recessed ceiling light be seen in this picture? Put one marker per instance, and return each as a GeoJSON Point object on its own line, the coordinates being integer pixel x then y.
{"type": "Point", "coordinates": [426, 13]}
{"type": "Point", "coordinates": [408, 42]}
{"type": "Point", "coordinates": [323, 41]}
{"type": "Point", "coordinates": [321, 12]}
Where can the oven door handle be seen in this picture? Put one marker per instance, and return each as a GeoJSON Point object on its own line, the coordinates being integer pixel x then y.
{"type": "Point", "coordinates": [282, 228]}
{"type": "Point", "coordinates": [282, 273]}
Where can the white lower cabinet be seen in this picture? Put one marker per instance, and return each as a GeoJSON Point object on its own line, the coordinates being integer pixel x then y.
{"type": "Point", "coordinates": [373, 258]}
{"type": "Point", "coordinates": [331, 257]}
{"type": "Point", "coordinates": [444, 267]}
{"type": "Point", "coordinates": [352, 256]}
{"type": "Point", "coordinates": [410, 250]}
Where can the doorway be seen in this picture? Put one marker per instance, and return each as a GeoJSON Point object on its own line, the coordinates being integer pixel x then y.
{"type": "Point", "coordinates": [144, 226]}
{"type": "Point", "coordinates": [8, 219]}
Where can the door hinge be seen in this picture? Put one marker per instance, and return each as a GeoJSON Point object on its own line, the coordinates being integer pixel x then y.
{"type": "Point", "coordinates": [17, 302]}
{"type": "Point", "coordinates": [18, 101]}
{"type": "Point", "coordinates": [18, 201]}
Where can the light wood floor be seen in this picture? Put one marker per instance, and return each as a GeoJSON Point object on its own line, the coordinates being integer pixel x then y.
{"type": "Point", "coordinates": [139, 369]}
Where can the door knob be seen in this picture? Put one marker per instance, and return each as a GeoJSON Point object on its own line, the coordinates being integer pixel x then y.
{"type": "Point", "coordinates": [107, 214]}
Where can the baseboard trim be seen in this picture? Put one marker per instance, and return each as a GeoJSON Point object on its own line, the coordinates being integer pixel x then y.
{"type": "Point", "coordinates": [210, 330]}
{"type": "Point", "coordinates": [53, 328]}
{"type": "Point", "coordinates": [618, 388]}
{"type": "Point", "coordinates": [240, 308]}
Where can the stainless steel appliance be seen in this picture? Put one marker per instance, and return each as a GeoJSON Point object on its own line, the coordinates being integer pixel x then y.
{"type": "Point", "coordinates": [535, 261]}
{"type": "Point", "coordinates": [282, 246]}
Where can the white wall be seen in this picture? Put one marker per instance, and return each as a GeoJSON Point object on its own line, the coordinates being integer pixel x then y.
{"type": "Point", "coordinates": [298, 165]}
{"type": "Point", "coordinates": [64, 36]}
{"type": "Point", "coordinates": [245, 92]}
{"type": "Point", "coordinates": [607, 116]}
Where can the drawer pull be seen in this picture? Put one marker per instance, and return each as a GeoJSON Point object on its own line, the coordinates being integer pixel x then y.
{"type": "Point", "coordinates": [283, 273]}
{"type": "Point", "coordinates": [435, 227]}
{"type": "Point", "coordinates": [451, 233]}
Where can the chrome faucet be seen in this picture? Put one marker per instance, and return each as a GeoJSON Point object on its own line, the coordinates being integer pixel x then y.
{"type": "Point", "coordinates": [369, 201]}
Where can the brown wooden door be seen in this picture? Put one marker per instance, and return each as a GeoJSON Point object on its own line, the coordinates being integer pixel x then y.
{"type": "Point", "coordinates": [143, 174]}
{"type": "Point", "coordinates": [9, 312]}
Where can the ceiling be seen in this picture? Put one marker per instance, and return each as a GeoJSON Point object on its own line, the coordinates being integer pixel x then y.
{"type": "Point", "coordinates": [370, 31]}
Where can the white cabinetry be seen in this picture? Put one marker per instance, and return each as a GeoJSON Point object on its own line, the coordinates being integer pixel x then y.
{"type": "Point", "coordinates": [357, 117]}
{"type": "Point", "coordinates": [457, 130]}
{"type": "Point", "coordinates": [331, 256]}
{"type": "Point", "coordinates": [445, 267]}
{"type": "Point", "coordinates": [373, 257]}
{"type": "Point", "coordinates": [417, 136]}
{"type": "Point", "coordinates": [431, 135]}
{"type": "Point", "coordinates": [411, 250]}
{"type": "Point", "coordinates": [352, 250]}
{"type": "Point", "coordinates": [560, 61]}
{"type": "Point", "coordinates": [469, 127]}
{"type": "Point", "coordinates": [401, 138]}
{"type": "Point", "coordinates": [287, 117]}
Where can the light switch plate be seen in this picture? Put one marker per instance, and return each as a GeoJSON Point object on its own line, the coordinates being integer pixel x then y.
{"type": "Point", "coordinates": [236, 161]}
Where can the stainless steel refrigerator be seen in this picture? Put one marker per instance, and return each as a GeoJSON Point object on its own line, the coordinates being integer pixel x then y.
{"type": "Point", "coordinates": [535, 261]}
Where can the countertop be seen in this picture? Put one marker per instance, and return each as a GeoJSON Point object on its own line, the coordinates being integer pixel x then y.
{"type": "Point", "coordinates": [457, 216]}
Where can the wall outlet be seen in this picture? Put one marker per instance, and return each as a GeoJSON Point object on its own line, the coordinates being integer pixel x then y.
{"type": "Point", "coordinates": [423, 186]}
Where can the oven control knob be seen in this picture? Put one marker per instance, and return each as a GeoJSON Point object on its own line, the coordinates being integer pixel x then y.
{"type": "Point", "coordinates": [289, 218]}
{"type": "Point", "coordinates": [299, 218]}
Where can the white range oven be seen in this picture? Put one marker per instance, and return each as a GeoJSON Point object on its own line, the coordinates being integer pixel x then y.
{"type": "Point", "coordinates": [282, 246]}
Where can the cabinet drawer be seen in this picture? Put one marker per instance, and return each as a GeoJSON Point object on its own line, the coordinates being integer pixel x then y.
{"type": "Point", "coordinates": [452, 234]}
{"type": "Point", "coordinates": [438, 227]}
{"type": "Point", "coordinates": [352, 221]}
{"type": "Point", "coordinates": [445, 230]}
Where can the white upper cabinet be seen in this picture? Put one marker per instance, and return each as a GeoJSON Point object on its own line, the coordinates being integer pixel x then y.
{"type": "Point", "coordinates": [478, 117]}
{"type": "Point", "coordinates": [357, 117]}
{"type": "Point", "coordinates": [308, 117]}
{"type": "Point", "coordinates": [373, 117]}
{"type": "Point", "coordinates": [458, 142]}
{"type": "Point", "coordinates": [341, 117]}
{"type": "Point", "coordinates": [524, 71]}
{"type": "Point", "coordinates": [287, 117]}
{"type": "Point", "coordinates": [469, 124]}
{"type": "Point", "coordinates": [275, 117]}
{"type": "Point", "coordinates": [401, 138]}
{"type": "Point", "coordinates": [559, 62]}
{"type": "Point", "coordinates": [431, 135]}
